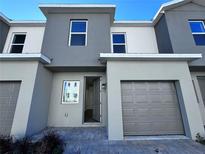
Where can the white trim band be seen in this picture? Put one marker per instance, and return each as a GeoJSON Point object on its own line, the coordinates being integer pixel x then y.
{"type": "Point", "coordinates": [77, 5]}
{"type": "Point", "coordinates": [174, 57]}
{"type": "Point", "coordinates": [25, 57]}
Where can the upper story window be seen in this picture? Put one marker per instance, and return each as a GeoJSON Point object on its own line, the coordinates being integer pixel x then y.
{"type": "Point", "coordinates": [118, 43]}
{"type": "Point", "coordinates": [17, 43]}
{"type": "Point", "coordinates": [78, 33]}
{"type": "Point", "coordinates": [198, 31]}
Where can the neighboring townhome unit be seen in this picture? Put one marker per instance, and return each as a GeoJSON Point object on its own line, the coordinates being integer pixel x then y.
{"type": "Point", "coordinates": [181, 30]}
{"type": "Point", "coordinates": [81, 68]}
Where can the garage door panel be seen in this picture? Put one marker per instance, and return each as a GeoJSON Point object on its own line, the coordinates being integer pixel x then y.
{"type": "Point", "coordinates": [158, 128]}
{"type": "Point", "coordinates": [149, 118]}
{"type": "Point", "coordinates": [150, 108]}
{"type": "Point", "coordinates": [142, 111]}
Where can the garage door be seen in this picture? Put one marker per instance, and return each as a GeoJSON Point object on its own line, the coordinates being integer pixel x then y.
{"type": "Point", "coordinates": [150, 108]}
{"type": "Point", "coordinates": [201, 81]}
{"type": "Point", "coordinates": [8, 98]}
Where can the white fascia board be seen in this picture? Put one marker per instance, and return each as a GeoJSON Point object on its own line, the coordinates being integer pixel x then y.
{"type": "Point", "coordinates": [165, 6]}
{"type": "Point", "coordinates": [154, 57]}
{"type": "Point", "coordinates": [133, 21]}
{"type": "Point", "coordinates": [7, 20]}
{"type": "Point", "coordinates": [25, 57]}
{"type": "Point", "coordinates": [77, 5]}
{"type": "Point", "coordinates": [22, 22]}
{"type": "Point", "coordinates": [145, 23]}
{"type": "Point", "coordinates": [28, 23]}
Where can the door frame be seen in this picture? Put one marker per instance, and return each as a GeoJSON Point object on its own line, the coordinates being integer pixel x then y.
{"type": "Point", "coordinates": [180, 104]}
{"type": "Point", "coordinates": [84, 99]}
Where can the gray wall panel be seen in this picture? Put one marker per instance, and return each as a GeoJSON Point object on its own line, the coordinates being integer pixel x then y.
{"type": "Point", "coordinates": [180, 31]}
{"type": "Point", "coordinates": [162, 35]}
{"type": "Point", "coordinates": [38, 115]}
{"type": "Point", "coordinates": [4, 29]}
{"type": "Point", "coordinates": [55, 43]}
{"type": "Point", "coordinates": [201, 81]}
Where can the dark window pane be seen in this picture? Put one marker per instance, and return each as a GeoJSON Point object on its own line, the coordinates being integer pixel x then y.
{"type": "Point", "coordinates": [16, 48]}
{"type": "Point", "coordinates": [197, 27]}
{"type": "Point", "coordinates": [78, 27]}
{"type": "Point", "coordinates": [119, 48]}
{"type": "Point", "coordinates": [199, 39]}
{"type": "Point", "coordinates": [118, 38]}
{"type": "Point", "coordinates": [19, 38]}
{"type": "Point", "coordinates": [77, 40]}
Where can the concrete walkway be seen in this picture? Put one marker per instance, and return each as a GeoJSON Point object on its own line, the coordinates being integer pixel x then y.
{"type": "Point", "coordinates": [135, 147]}
{"type": "Point", "coordinates": [94, 141]}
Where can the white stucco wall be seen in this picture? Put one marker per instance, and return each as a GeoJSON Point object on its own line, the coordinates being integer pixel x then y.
{"type": "Point", "coordinates": [198, 93]}
{"type": "Point", "coordinates": [139, 39]}
{"type": "Point", "coordinates": [152, 70]}
{"type": "Point", "coordinates": [57, 110]}
{"type": "Point", "coordinates": [33, 41]}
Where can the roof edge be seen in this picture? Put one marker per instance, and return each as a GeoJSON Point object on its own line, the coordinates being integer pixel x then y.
{"type": "Point", "coordinates": [5, 18]}
{"type": "Point", "coordinates": [165, 6]}
{"type": "Point", "coordinates": [28, 23]}
{"type": "Point", "coordinates": [129, 23]}
{"type": "Point", "coordinates": [25, 57]}
{"type": "Point", "coordinates": [43, 6]}
{"type": "Point", "coordinates": [154, 57]}
{"type": "Point", "coordinates": [76, 5]}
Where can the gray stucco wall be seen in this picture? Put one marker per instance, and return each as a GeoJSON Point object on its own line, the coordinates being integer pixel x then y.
{"type": "Point", "coordinates": [180, 31]}
{"type": "Point", "coordinates": [162, 35]}
{"type": "Point", "coordinates": [38, 115]}
{"type": "Point", "coordinates": [55, 43]}
{"type": "Point", "coordinates": [4, 29]}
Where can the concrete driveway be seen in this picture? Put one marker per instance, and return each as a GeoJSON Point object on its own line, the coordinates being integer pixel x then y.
{"type": "Point", "coordinates": [94, 141]}
{"type": "Point", "coordinates": [135, 147]}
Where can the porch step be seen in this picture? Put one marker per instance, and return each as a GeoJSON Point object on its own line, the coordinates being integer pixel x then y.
{"type": "Point", "coordinates": [79, 133]}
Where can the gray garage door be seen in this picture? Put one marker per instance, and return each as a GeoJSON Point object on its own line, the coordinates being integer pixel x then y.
{"type": "Point", "coordinates": [150, 108]}
{"type": "Point", "coordinates": [8, 98]}
{"type": "Point", "coordinates": [201, 81]}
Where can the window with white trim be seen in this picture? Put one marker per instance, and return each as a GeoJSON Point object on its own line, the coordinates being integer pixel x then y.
{"type": "Point", "coordinates": [78, 33]}
{"type": "Point", "coordinates": [118, 43]}
{"type": "Point", "coordinates": [17, 43]}
{"type": "Point", "coordinates": [198, 31]}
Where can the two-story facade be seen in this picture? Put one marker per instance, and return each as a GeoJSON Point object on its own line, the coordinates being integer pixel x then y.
{"type": "Point", "coordinates": [81, 68]}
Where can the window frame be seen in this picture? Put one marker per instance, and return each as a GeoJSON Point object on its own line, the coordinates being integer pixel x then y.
{"type": "Point", "coordinates": [63, 92]}
{"type": "Point", "coordinates": [197, 33]}
{"type": "Point", "coordinates": [125, 44]}
{"type": "Point", "coordinates": [85, 33]}
{"type": "Point", "coordinates": [201, 21]}
{"type": "Point", "coordinates": [11, 41]}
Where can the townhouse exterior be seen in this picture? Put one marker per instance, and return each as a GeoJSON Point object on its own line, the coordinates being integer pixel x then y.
{"type": "Point", "coordinates": [81, 68]}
